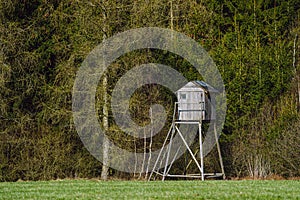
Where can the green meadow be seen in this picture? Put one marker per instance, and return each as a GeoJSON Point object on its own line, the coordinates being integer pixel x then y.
{"type": "Point", "coordinates": [94, 189]}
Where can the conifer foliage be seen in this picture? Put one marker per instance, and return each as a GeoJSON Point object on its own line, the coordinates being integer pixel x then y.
{"type": "Point", "coordinates": [43, 43]}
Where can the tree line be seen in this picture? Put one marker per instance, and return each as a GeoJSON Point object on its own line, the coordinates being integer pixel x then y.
{"type": "Point", "coordinates": [43, 43]}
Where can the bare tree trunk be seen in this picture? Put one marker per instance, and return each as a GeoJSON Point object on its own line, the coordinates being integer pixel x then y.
{"type": "Point", "coordinates": [171, 15]}
{"type": "Point", "coordinates": [105, 145]}
{"type": "Point", "coordinates": [144, 158]}
{"type": "Point", "coordinates": [104, 172]}
{"type": "Point", "coordinates": [150, 145]}
{"type": "Point", "coordinates": [135, 157]}
{"type": "Point", "coordinates": [296, 72]}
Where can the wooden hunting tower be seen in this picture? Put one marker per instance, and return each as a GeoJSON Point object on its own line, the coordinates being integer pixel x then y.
{"type": "Point", "coordinates": [195, 105]}
{"type": "Point", "coordinates": [196, 102]}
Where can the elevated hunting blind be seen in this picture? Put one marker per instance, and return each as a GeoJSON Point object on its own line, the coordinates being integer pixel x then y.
{"type": "Point", "coordinates": [195, 105]}
{"type": "Point", "coordinates": [195, 102]}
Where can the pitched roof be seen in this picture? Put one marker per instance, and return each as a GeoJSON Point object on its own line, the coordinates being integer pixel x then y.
{"type": "Point", "coordinates": [205, 86]}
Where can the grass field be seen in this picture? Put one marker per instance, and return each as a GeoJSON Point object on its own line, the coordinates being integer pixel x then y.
{"type": "Point", "coordinates": [93, 189]}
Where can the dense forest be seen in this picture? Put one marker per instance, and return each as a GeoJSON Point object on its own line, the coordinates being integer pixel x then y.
{"type": "Point", "coordinates": [255, 45]}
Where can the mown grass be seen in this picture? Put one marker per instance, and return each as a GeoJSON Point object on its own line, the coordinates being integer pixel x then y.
{"type": "Point", "coordinates": [92, 189]}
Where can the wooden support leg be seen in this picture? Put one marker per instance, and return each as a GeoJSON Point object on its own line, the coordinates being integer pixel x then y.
{"type": "Point", "coordinates": [219, 151]}
{"type": "Point", "coordinates": [201, 152]}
